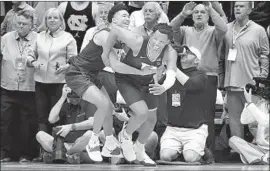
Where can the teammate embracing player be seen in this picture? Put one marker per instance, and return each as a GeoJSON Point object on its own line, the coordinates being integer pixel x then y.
{"type": "Point", "coordinates": [81, 77]}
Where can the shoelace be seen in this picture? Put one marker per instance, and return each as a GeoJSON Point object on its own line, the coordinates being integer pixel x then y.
{"type": "Point", "coordinates": [93, 145]}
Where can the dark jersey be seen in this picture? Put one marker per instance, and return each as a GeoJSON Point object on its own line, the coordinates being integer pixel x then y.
{"type": "Point", "coordinates": [90, 57]}
{"type": "Point", "coordinates": [78, 22]}
{"type": "Point", "coordinates": [137, 62]}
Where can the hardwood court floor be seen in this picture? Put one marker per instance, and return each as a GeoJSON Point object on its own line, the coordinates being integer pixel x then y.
{"type": "Point", "coordinates": [15, 166]}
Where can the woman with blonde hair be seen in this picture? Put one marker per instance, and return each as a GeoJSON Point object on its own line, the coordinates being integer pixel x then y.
{"type": "Point", "coordinates": [49, 56]}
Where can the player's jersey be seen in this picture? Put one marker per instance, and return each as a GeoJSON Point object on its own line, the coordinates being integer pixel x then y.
{"type": "Point", "coordinates": [138, 61]}
{"type": "Point", "coordinates": [90, 57]}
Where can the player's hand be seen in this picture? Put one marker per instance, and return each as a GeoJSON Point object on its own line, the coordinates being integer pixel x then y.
{"type": "Point", "coordinates": [61, 69]}
{"type": "Point", "coordinates": [64, 130]}
{"type": "Point", "coordinates": [160, 73]}
{"type": "Point", "coordinates": [101, 25]}
{"type": "Point", "coordinates": [148, 70]}
{"type": "Point", "coordinates": [156, 89]}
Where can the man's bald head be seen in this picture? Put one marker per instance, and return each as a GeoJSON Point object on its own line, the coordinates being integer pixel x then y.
{"type": "Point", "coordinates": [200, 15]}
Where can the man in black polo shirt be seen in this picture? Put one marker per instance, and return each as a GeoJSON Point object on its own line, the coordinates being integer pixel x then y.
{"type": "Point", "coordinates": [71, 114]}
{"type": "Point", "coordinates": [187, 131]}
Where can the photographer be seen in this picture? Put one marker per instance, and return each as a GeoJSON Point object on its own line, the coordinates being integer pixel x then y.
{"type": "Point", "coordinates": [257, 116]}
{"type": "Point", "coordinates": [71, 114]}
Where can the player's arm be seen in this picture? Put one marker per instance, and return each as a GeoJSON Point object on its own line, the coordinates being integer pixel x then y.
{"type": "Point", "coordinates": [133, 41]}
{"type": "Point", "coordinates": [170, 59]}
{"type": "Point", "coordinates": [112, 59]}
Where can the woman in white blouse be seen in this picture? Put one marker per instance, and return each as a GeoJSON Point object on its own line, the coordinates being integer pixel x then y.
{"type": "Point", "coordinates": [49, 56]}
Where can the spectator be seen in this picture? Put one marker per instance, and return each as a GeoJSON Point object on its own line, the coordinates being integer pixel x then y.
{"type": "Point", "coordinates": [245, 50]}
{"type": "Point", "coordinates": [2, 11]}
{"type": "Point", "coordinates": [101, 19]}
{"type": "Point", "coordinates": [187, 128]}
{"type": "Point", "coordinates": [206, 39]}
{"type": "Point", "coordinates": [9, 21]}
{"type": "Point", "coordinates": [173, 10]}
{"type": "Point", "coordinates": [41, 8]}
{"type": "Point", "coordinates": [260, 14]}
{"type": "Point", "coordinates": [78, 18]}
{"type": "Point", "coordinates": [72, 115]}
{"type": "Point", "coordinates": [49, 56]}
{"type": "Point", "coordinates": [268, 33]}
{"type": "Point", "coordinates": [164, 6]}
{"type": "Point", "coordinates": [257, 116]}
{"type": "Point", "coordinates": [17, 86]}
{"type": "Point", "coordinates": [135, 6]}
{"type": "Point", "coordinates": [137, 17]}
{"type": "Point", "coordinates": [268, 30]}
{"type": "Point", "coordinates": [95, 7]}
{"type": "Point", "coordinates": [174, 7]}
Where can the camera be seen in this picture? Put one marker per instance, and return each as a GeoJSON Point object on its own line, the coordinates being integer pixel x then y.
{"type": "Point", "coordinates": [264, 91]}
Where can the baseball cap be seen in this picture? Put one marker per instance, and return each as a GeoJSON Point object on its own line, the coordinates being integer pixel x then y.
{"type": "Point", "coordinates": [193, 50]}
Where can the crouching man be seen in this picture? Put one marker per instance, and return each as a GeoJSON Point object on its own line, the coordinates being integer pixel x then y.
{"type": "Point", "coordinates": [70, 137]}
{"type": "Point", "coordinates": [187, 131]}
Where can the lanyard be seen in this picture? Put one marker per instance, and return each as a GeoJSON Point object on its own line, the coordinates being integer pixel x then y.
{"type": "Point", "coordinates": [22, 46]}
{"type": "Point", "coordinates": [238, 34]}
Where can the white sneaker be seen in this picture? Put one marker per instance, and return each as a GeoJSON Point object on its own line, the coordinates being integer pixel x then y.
{"type": "Point", "coordinates": [127, 146]}
{"type": "Point", "coordinates": [142, 157]}
{"type": "Point", "coordinates": [93, 150]}
{"type": "Point", "coordinates": [112, 149]}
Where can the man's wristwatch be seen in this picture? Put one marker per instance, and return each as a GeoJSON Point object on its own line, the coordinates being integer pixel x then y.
{"type": "Point", "coordinates": [73, 127]}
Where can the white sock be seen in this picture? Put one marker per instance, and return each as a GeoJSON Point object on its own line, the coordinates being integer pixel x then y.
{"type": "Point", "coordinates": [94, 137]}
{"type": "Point", "coordinates": [139, 145]}
{"type": "Point", "coordinates": [110, 142]}
{"type": "Point", "coordinates": [110, 138]}
{"type": "Point", "coordinates": [126, 134]}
